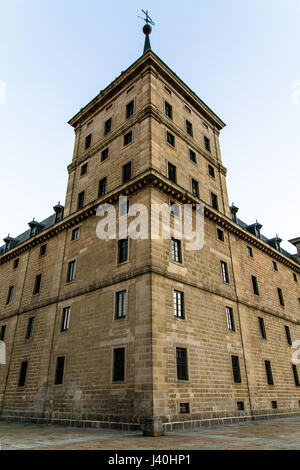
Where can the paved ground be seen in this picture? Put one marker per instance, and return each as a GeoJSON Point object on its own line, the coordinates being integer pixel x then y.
{"type": "Point", "coordinates": [275, 434]}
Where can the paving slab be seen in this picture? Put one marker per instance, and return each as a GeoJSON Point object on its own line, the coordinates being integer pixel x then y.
{"type": "Point", "coordinates": [275, 434]}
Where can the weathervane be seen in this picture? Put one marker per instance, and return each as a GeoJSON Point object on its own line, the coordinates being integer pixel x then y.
{"type": "Point", "coordinates": [147, 29]}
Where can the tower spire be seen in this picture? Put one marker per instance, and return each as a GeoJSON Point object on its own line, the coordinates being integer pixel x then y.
{"type": "Point", "coordinates": [147, 29]}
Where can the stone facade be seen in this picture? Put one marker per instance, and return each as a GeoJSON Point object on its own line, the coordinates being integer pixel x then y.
{"type": "Point", "coordinates": [149, 333]}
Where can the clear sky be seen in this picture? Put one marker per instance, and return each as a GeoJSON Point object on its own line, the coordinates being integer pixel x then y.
{"type": "Point", "coordinates": [242, 57]}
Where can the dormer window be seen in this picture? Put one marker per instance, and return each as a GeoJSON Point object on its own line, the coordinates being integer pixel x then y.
{"type": "Point", "coordinates": [59, 212]}
{"type": "Point", "coordinates": [35, 228]}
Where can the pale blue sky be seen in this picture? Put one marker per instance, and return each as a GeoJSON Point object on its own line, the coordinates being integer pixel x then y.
{"type": "Point", "coordinates": [241, 57]}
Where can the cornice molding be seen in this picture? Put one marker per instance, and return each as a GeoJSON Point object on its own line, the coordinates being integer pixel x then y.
{"type": "Point", "coordinates": [155, 179]}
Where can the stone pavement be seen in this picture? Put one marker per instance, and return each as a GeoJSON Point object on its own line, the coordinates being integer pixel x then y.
{"type": "Point", "coordinates": [274, 434]}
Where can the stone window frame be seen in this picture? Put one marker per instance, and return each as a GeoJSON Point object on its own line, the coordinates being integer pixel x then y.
{"type": "Point", "coordinates": [67, 283]}
{"type": "Point", "coordinates": [65, 355]}
{"type": "Point", "coordinates": [186, 347]}
{"type": "Point", "coordinates": [116, 292]}
{"type": "Point", "coordinates": [182, 291]}
{"type": "Point", "coordinates": [107, 147]}
{"type": "Point", "coordinates": [132, 100]}
{"type": "Point", "coordinates": [82, 175]}
{"type": "Point", "coordinates": [217, 235]}
{"type": "Point", "coordinates": [125, 146]}
{"type": "Point", "coordinates": [117, 253]}
{"type": "Point", "coordinates": [178, 263]}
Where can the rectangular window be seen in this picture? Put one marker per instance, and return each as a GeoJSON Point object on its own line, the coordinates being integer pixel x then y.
{"type": "Point", "coordinates": [75, 234]}
{"type": "Point", "coordinates": [280, 295]}
{"type": "Point", "coordinates": [2, 332]}
{"type": "Point", "coordinates": [83, 169]}
{"type": "Point", "coordinates": [211, 171]}
{"type": "Point", "coordinates": [296, 375]}
{"type": "Point", "coordinates": [23, 372]}
{"type": "Point", "coordinates": [127, 172]}
{"type": "Point", "coordinates": [184, 408]}
{"type": "Point", "coordinates": [16, 263]}
{"type": "Point", "coordinates": [107, 126]}
{"type": "Point", "coordinates": [224, 269]}
{"type": "Point", "coordinates": [119, 365]}
{"type": "Point", "coordinates": [275, 267]}
{"type": "Point", "coordinates": [65, 319]}
{"type": "Point", "coordinates": [230, 319]}
{"type": "Point", "coordinates": [207, 144]}
{"type": "Point", "coordinates": [102, 187]}
{"type": "Point", "coordinates": [262, 328]}
{"type": "Point", "coordinates": [295, 277]}
{"type": "Point", "coordinates": [59, 372]}
{"type": "Point", "coordinates": [104, 154]}
{"type": "Point", "coordinates": [274, 405]}
{"type": "Point", "coordinates": [37, 284]}
{"type": "Point", "coordinates": [43, 250]}
{"type": "Point", "coordinates": [189, 128]}
{"type": "Point", "coordinates": [128, 138]}
{"type": "Point", "coordinates": [129, 109]}
{"type": "Point", "coordinates": [236, 369]}
{"type": "Point", "coordinates": [255, 285]}
{"type": "Point", "coordinates": [176, 251]}
{"type": "Point", "coordinates": [171, 139]}
{"type": "Point", "coordinates": [214, 201]}
{"type": "Point", "coordinates": [195, 188]}
{"type": "Point", "coordinates": [269, 373]}
{"type": "Point", "coordinates": [178, 300]}
{"type": "Point", "coordinates": [182, 364]}
{"type": "Point", "coordinates": [220, 234]}
{"type": "Point", "coordinates": [193, 157]}
{"type": "Point", "coordinates": [168, 110]}
{"type": "Point", "coordinates": [10, 295]}
{"type": "Point", "coordinates": [71, 271]}
{"type": "Point", "coordinates": [88, 141]}
{"type": "Point", "coordinates": [121, 304]}
{"type": "Point", "coordinates": [249, 252]}
{"type": "Point", "coordinates": [240, 405]}
{"type": "Point", "coordinates": [175, 209]}
{"type": "Point", "coordinates": [288, 335]}
{"type": "Point", "coordinates": [30, 326]}
{"type": "Point", "coordinates": [172, 172]}
{"type": "Point", "coordinates": [80, 200]}
{"type": "Point", "coordinates": [123, 250]}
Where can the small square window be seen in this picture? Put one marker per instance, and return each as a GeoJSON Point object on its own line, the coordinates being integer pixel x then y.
{"type": "Point", "coordinates": [207, 144]}
{"type": "Point", "coordinates": [184, 408]}
{"type": "Point", "coordinates": [220, 235]}
{"type": "Point", "coordinates": [88, 141]}
{"type": "Point", "coordinates": [193, 157]}
{"type": "Point", "coordinates": [211, 171]}
{"type": "Point", "coordinates": [274, 405]}
{"type": "Point", "coordinates": [129, 109]}
{"type": "Point", "coordinates": [75, 234]}
{"type": "Point", "coordinates": [240, 406]}
{"type": "Point", "coordinates": [43, 250]}
{"type": "Point", "coordinates": [168, 110]}
{"type": "Point", "coordinates": [171, 139]}
{"type": "Point", "coordinates": [83, 170]}
{"type": "Point", "coordinates": [127, 138]}
{"type": "Point", "coordinates": [189, 128]}
{"type": "Point", "coordinates": [107, 126]}
{"type": "Point", "coordinates": [104, 154]}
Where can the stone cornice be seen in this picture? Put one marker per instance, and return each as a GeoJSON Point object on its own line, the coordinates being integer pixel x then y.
{"type": "Point", "coordinates": [155, 179]}
{"type": "Point", "coordinates": [152, 60]}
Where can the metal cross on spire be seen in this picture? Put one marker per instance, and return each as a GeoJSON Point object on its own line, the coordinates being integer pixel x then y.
{"type": "Point", "coordinates": [147, 30]}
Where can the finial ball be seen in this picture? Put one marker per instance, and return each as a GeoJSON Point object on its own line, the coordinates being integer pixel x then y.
{"type": "Point", "coordinates": [147, 29]}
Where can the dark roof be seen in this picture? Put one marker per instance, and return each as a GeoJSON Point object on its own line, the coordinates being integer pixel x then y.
{"type": "Point", "coordinates": [26, 235]}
